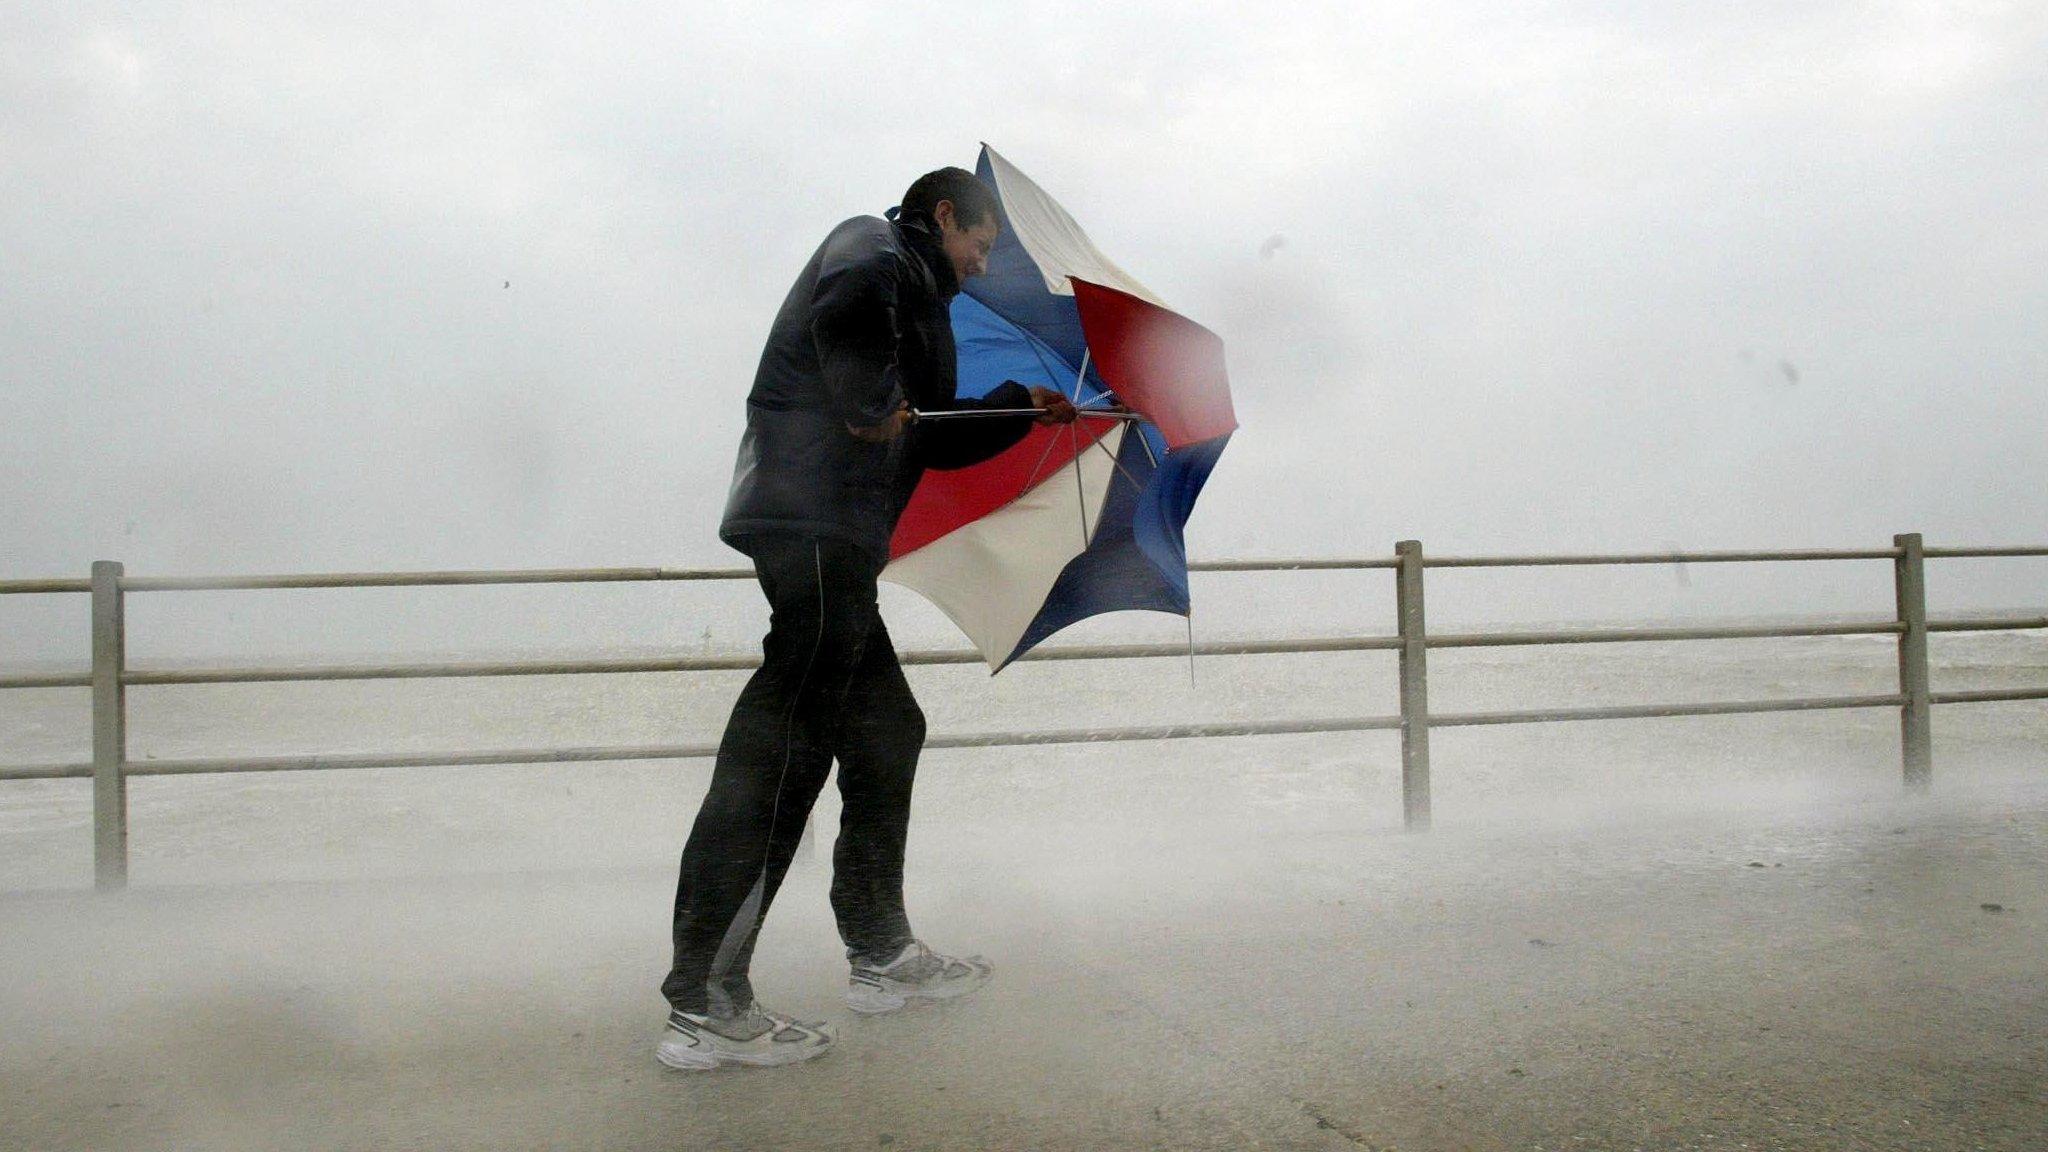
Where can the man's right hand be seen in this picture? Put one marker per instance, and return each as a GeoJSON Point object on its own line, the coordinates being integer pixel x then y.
{"type": "Point", "coordinates": [887, 430]}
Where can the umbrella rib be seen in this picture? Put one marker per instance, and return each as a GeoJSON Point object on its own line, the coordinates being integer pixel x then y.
{"type": "Point", "coordinates": [1135, 486]}
{"type": "Point", "coordinates": [1080, 490]}
{"type": "Point", "coordinates": [1147, 445]}
{"type": "Point", "coordinates": [1054, 438]}
{"type": "Point", "coordinates": [1032, 479]}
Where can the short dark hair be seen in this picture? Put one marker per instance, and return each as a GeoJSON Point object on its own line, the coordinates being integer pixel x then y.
{"type": "Point", "coordinates": [973, 201]}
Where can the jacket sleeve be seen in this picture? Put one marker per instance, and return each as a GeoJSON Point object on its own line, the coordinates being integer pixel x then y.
{"type": "Point", "coordinates": [853, 326]}
{"type": "Point", "coordinates": [949, 444]}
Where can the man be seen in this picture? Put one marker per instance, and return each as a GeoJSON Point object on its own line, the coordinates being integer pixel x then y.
{"type": "Point", "coordinates": [827, 464]}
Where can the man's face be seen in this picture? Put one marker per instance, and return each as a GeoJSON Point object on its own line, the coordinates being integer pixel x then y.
{"type": "Point", "coordinates": [968, 247]}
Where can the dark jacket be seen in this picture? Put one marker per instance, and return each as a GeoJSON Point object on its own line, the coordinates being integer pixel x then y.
{"type": "Point", "coordinates": [864, 329]}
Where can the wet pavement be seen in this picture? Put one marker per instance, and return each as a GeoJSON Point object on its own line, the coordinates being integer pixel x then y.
{"type": "Point", "coordinates": [1247, 964]}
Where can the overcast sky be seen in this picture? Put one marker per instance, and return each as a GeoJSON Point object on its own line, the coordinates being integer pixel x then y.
{"type": "Point", "coordinates": [299, 286]}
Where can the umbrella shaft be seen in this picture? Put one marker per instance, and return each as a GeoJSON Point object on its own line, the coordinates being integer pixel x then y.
{"type": "Point", "coordinates": [967, 413]}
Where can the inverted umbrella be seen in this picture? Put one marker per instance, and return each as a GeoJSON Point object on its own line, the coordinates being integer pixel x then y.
{"type": "Point", "coordinates": [1079, 520]}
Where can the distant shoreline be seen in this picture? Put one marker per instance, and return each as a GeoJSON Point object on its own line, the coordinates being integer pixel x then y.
{"type": "Point", "coordinates": [47, 667]}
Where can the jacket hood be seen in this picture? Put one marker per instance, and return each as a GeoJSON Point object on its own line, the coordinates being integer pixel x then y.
{"type": "Point", "coordinates": [921, 235]}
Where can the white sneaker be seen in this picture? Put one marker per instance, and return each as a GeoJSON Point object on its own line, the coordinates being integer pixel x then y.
{"type": "Point", "coordinates": [756, 1038]}
{"type": "Point", "coordinates": [917, 973]}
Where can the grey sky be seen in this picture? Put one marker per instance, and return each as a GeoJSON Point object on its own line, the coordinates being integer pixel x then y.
{"type": "Point", "coordinates": [1572, 275]}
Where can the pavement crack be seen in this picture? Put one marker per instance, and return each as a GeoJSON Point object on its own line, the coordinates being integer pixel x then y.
{"type": "Point", "coordinates": [1323, 1121]}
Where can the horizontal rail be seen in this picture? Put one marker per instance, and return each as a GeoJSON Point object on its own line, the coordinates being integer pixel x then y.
{"type": "Point", "coordinates": [1636, 635]}
{"type": "Point", "coordinates": [1989, 695]}
{"type": "Point", "coordinates": [736, 663]}
{"type": "Point", "coordinates": [420, 579]}
{"type": "Point", "coordinates": [319, 762]}
{"type": "Point", "coordinates": [1646, 711]}
{"type": "Point", "coordinates": [61, 680]}
{"type": "Point", "coordinates": [702, 751]}
{"type": "Point", "coordinates": [1326, 564]}
{"type": "Point", "coordinates": [2004, 624]}
{"type": "Point", "coordinates": [1564, 559]}
{"type": "Point", "coordinates": [46, 772]}
{"type": "Point", "coordinates": [926, 657]}
{"type": "Point", "coordinates": [153, 678]}
{"type": "Point", "coordinates": [1170, 732]}
{"type": "Point", "coordinates": [1957, 553]}
{"type": "Point", "coordinates": [29, 587]}
{"type": "Point", "coordinates": [627, 575]}
{"type": "Point", "coordinates": [1202, 648]}
{"type": "Point", "coordinates": [1014, 739]}
{"type": "Point", "coordinates": [572, 576]}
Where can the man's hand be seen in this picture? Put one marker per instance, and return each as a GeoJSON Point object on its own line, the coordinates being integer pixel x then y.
{"type": "Point", "coordinates": [887, 430]}
{"type": "Point", "coordinates": [1053, 408]}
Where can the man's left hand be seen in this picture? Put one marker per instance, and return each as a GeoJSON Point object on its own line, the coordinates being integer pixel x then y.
{"type": "Point", "coordinates": [1053, 408]}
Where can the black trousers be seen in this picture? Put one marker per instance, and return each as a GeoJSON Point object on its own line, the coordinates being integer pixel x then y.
{"type": "Point", "coordinates": [829, 687]}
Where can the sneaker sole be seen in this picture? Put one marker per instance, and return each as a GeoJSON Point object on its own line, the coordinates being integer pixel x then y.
{"type": "Point", "coordinates": [869, 1000]}
{"type": "Point", "coordinates": [704, 1059]}
{"type": "Point", "coordinates": [687, 1061]}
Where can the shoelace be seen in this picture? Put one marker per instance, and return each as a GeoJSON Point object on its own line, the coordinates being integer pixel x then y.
{"type": "Point", "coordinates": [782, 1022]}
{"type": "Point", "coordinates": [929, 964]}
{"type": "Point", "coordinates": [771, 1024]}
{"type": "Point", "coordinates": [922, 964]}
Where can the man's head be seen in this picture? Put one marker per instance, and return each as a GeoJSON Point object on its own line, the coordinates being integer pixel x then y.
{"type": "Point", "coordinates": [965, 211]}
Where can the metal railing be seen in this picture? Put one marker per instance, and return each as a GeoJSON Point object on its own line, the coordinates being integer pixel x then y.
{"type": "Point", "coordinates": [110, 676]}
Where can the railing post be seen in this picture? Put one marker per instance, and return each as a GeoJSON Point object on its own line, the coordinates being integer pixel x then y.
{"type": "Point", "coordinates": [1916, 734]}
{"type": "Point", "coordinates": [109, 731]}
{"type": "Point", "coordinates": [1414, 685]}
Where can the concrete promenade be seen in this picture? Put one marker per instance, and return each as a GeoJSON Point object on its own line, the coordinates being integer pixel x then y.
{"type": "Point", "coordinates": [1243, 965]}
